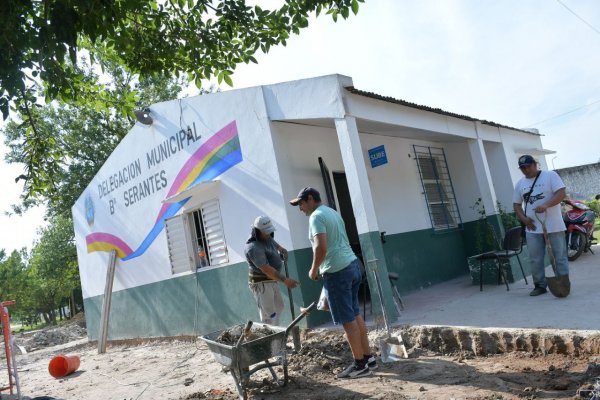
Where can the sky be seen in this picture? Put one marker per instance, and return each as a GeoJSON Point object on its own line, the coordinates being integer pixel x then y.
{"type": "Point", "coordinates": [526, 64]}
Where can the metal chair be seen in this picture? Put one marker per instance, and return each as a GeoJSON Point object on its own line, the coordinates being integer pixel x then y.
{"type": "Point", "coordinates": [511, 247]}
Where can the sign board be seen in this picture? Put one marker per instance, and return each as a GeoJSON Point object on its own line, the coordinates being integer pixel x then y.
{"type": "Point", "coordinates": [377, 156]}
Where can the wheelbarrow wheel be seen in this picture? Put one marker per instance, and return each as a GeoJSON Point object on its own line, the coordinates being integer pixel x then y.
{"type": "Point", "coordinates": [239, 384]}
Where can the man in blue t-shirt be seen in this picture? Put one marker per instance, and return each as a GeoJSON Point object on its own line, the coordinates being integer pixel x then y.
{"type": "Point", "coordinates": [335, 261]}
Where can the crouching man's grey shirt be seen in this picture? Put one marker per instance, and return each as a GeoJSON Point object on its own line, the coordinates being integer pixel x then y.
{"type": "Point", "coordinates": [259, 253]}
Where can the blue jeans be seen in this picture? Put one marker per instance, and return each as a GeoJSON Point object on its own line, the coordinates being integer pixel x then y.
{"type": "Point", "coordinates": [537, 251]}
{"type": "Point", "coordinates": [341, 289]}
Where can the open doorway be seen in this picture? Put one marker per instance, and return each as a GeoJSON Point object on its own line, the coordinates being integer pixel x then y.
{"type": "Point", "coordinates": [344, 201]}
{"type": "Point", "coordinates": [346, 211]}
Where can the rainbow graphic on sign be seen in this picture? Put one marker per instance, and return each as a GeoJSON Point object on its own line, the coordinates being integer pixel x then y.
{"type": "Point", "coordinates": [219, 153]}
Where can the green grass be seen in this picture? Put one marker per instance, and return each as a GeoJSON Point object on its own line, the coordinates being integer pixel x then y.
{"type": "Point", "coordinates": [17, 327]}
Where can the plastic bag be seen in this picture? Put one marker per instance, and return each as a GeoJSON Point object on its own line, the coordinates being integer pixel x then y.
{"type": "Point", "coordinates": [323, 304]}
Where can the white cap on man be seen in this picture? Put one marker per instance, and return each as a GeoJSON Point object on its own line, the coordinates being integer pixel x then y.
{"type": "Point", "coordinates": [264, 224]}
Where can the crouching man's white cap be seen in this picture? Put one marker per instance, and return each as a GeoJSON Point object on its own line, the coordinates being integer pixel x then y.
{"type": "Point", "coordinates": [264, 224]}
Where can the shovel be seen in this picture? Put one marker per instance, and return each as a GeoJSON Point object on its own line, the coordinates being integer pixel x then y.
{"type": "Point", "coordinates": [392, 347]}
{"type": "Point", "coordinates": [296, 331]}
{"type": "Point", "coordinates": [559, 286]}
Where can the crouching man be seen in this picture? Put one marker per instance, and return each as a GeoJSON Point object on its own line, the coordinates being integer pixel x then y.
{"type": "Point", "coordinates": [263, 255]}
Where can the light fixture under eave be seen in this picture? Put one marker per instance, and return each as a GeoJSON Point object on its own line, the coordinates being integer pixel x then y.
{"type": "Point", "coordinates": [143, 116]}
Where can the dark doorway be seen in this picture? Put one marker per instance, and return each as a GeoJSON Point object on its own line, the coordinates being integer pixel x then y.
{"type": "Point", "coordinates": [347, 213]}
{"type": "Point", "coordinates": [346, 210]}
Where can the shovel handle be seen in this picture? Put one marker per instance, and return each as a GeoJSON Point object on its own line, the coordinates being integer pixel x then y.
{"type": "Point", "coordinates": [547, 240]}
{"type": "Point", "coordinates": [289, 291]}
{"type": "Point", "coordinates": [244, 333]}
{"type": "Point", "coordinates": [380, 294]}
{"type": "Point", "coordinates": [299, 317]}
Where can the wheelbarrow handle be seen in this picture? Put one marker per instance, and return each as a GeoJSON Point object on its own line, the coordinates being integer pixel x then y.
{"type": "Point", "coordinates": [299, 317]}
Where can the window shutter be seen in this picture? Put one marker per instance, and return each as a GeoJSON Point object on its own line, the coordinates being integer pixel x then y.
{"type": "Point", "coordinates": [178, 240]}
{"type": "Point", "coordinates": [213, 229]}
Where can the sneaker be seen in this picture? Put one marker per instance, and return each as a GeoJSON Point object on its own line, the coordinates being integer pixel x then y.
{"type": "Point", "coordinates": [372, 363]}
{"type": "Point", "coordinates": [537, 291]}
{"type": "Point", "coordinates": [354, 371]}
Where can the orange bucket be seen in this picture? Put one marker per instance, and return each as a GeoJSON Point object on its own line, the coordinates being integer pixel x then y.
{"type": "Point", "coordinates": [63, 365]}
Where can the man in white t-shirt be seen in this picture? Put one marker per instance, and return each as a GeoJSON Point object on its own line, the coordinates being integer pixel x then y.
{"type": "Point", "coordinates": [547, 193]}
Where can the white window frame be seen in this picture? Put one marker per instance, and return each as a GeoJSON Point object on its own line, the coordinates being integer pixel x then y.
{"type": "Point", "coordinates": [184, 240]}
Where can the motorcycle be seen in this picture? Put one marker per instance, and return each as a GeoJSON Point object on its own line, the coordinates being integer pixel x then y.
{"type": "Point", "coordinates": [579, 219]}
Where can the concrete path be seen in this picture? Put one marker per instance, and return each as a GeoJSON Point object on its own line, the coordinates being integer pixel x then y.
{"type": "Point", "coordinates": [460, 303]}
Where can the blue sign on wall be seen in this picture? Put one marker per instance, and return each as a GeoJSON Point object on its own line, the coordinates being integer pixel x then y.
{"type": "Point", "coordinates": [377, 156]}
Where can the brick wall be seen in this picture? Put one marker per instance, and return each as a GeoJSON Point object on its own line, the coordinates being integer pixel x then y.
{"type": "Point", "coordinates": [583, 181]}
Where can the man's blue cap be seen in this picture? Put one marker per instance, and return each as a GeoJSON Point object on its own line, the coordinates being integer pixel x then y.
{"type": "Point", "coordinates": [526, 160]}
{"type": "Point", "coordinates": [303, 195]}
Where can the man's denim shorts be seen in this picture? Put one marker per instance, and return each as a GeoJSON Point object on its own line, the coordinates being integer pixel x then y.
{"type": "Point", "coordinates": [341, 289]}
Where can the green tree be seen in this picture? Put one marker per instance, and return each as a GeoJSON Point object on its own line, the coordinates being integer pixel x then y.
{"type": "Point", "coordinates": [14, 284]}
{"type": "Point", "coordinates": [41, 39]}
{"type": "Point", "coordinates": [71, 142]}
{"type": "Point", "coordinates": [11, 274]}
{"type": "Point", "coordinates": [53, 273]}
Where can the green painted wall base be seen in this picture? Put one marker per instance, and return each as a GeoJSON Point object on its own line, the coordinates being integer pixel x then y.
{"type": "Point", "coordinates": [423, 258]}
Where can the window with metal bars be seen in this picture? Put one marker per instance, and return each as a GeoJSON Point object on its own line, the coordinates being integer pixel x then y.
{"type": "Point", "coordinates": [196, 239]}
{"type": "Point", "coordinates": [437, 187]}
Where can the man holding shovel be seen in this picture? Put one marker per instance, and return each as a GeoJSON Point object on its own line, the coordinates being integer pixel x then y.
{"type": "Point", "coordinates": [263, 255]}
{"type": "Point", "coordinates": [542, 192]}
{"type": "Point", "coordinates": [334, 259]}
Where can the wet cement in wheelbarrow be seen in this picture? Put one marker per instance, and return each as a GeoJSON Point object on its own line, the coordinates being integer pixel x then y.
{"type": "Point", "coordinates": [231, 335]}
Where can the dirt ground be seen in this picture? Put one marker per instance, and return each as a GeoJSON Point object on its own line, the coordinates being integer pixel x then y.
{"type": "Point", "coordinates": [442, 364]}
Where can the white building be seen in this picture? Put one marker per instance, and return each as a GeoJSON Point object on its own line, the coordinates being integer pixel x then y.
{"type": "Point", "coordinates": [405, 178]}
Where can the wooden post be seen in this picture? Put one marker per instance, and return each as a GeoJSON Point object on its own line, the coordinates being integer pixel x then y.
{"type": "Point", "coordinates": [110, 276]}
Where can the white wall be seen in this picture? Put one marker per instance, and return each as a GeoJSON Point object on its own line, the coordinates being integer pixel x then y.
{"type": "Point", "coordinates": [501, 173]}
{"type": "Point", "coordinates": [464, 180]}
{"type": "Point", "coordinates": [404, 116]}
{"type": "Point", "coordinates": [396, 187]}
{"type": "Point", "coordinates": [306, 98]}
{"type": "Point", "coordinates": [246, 190]}
{"type": "Point", "coordinates": [298, 149]}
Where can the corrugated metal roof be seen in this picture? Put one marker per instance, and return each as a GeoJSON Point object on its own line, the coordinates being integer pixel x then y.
{"type": "Point", "coordinates": [376, 96]}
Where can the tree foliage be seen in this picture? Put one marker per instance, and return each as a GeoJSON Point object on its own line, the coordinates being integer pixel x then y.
{"type": "Point", "coordinates": [41, 39]}
{"type": "Point", "coordinates": [71, 142]}
{"type": "Point", "coordinates": [53, 273]}
{"type": "Point", "coordinates": [11, 273]}
{"type": "Point", "coordinates": [44, 280]}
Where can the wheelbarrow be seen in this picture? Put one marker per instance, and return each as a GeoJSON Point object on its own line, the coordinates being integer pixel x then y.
{"type": "Point", "coordinates": [238, 359]}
